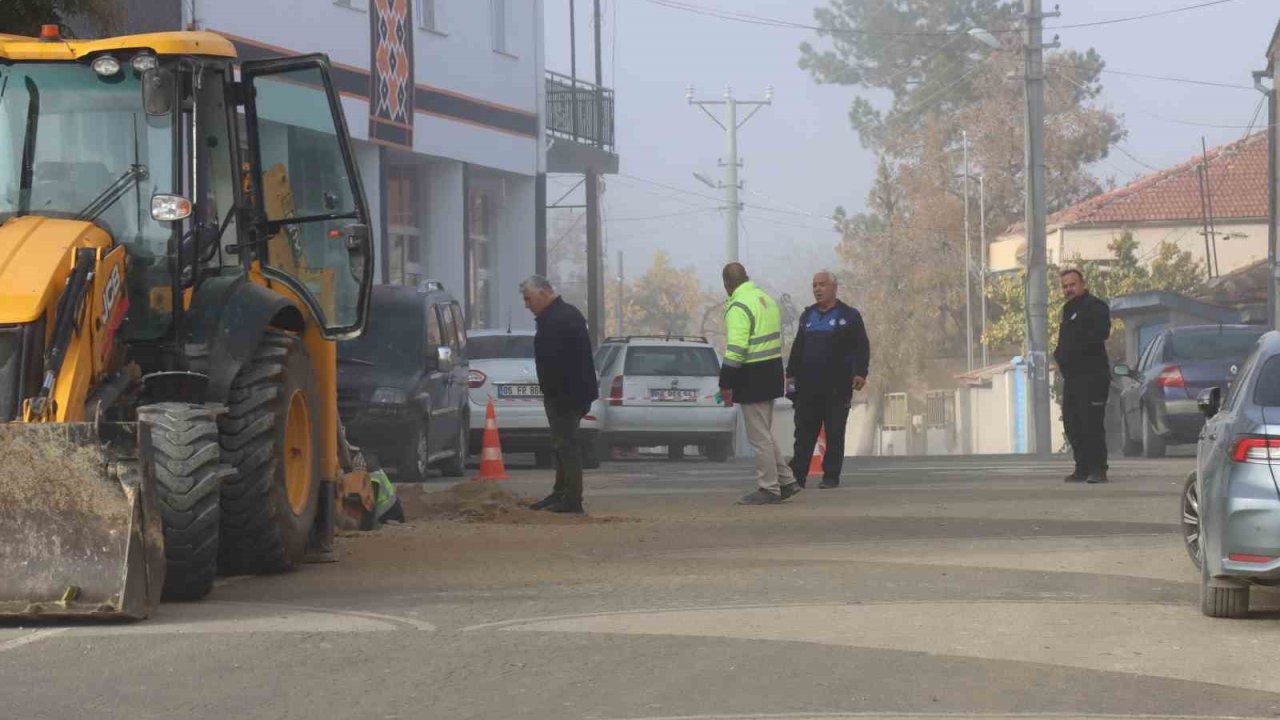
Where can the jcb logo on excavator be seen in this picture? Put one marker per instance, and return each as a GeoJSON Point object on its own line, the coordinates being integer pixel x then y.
{"type": "Point", "coordinates": [110, 294]}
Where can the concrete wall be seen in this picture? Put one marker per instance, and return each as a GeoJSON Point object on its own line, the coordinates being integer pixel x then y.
{"type": "Point", "coordinates": [1248, 245]}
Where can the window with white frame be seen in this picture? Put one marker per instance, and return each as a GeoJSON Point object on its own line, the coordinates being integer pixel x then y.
{"type": "Point", "coordinates": [427, 19]}
{"type": "Point", "coordinates": [499, 24]}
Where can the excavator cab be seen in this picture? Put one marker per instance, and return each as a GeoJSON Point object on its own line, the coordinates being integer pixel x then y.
{"type": "Point", "coordinates": [183, 238]}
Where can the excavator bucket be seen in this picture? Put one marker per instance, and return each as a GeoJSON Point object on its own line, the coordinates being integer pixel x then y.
{"type": "Point", "coordinates": [80, 531]}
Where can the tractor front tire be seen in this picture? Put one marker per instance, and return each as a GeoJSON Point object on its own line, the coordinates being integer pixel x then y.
{"type": "Point", "coordinates": [189, 476]}
{"type": "Point", "coordinates": [270, 434]}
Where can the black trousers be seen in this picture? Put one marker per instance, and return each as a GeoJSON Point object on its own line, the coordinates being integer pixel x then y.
{"type": "Point", "coordinates": [564, 420]}
{"type": "Point", "coordinates": [812, 412]}
{"type": "Point", "coordinates": [1084, 412]}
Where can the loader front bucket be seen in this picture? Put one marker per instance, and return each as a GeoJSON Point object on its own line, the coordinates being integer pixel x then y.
{"type": "Point", "coordinates": [80, 532]}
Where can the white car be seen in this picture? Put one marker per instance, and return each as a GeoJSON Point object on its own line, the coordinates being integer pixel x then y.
{"type": "Point", "coordinates": [502, 368]}
{"type": "Point", "coordinates": [664, 390]}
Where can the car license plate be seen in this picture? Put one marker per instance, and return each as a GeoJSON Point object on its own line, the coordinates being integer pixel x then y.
{"type": "Point", "coordinates": [668, 395]}
{"type": "Point", "coordinates": [519, 391]}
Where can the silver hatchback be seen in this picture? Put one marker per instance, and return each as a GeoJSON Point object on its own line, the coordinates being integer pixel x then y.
{"type": "Point", "coordinates": [1231, 504]}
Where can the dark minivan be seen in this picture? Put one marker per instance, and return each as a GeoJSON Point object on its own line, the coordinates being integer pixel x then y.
{"type": "Point", "coordinates": [402, 385]}
{"type": "Point", "coordinates": [1158, 398]}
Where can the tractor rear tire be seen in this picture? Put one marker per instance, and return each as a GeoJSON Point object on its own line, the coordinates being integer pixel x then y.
{"type": "Point", "coordinates": [270, 434]}
{"type": "Point", "coordinates": [189, 475]}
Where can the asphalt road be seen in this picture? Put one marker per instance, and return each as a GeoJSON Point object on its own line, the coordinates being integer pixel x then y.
{"type": "Point", "coordinates": [928, 588]}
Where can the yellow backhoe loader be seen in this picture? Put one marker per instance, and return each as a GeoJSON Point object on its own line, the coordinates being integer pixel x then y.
{"type": "Point", "coordinates": [183, 238]}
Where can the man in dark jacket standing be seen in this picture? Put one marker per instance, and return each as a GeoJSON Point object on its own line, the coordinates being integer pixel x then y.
{"type": "Point", "coordinates": [1086, 376]}
{"type": "Point", "coordinates": [567, 375]}
{"type": "Point", "coordinates": [829, 360]}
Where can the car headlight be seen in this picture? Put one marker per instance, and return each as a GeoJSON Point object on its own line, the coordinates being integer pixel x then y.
{"type": "Point", "coordinates": [389, 396]}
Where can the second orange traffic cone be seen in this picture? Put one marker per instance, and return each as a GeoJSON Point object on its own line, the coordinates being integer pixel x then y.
{"type": "Point", "coordinates": [491, 465]}
{"type": "Point", "coordinates": [819, 450]}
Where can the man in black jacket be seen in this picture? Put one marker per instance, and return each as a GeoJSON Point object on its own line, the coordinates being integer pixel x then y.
{"type": "Point", "coordinates": [829, 360]}
{"type": "Point", "coordinates": [1086, 376]}
{"type": "Point", "coordinates": [567, 375]}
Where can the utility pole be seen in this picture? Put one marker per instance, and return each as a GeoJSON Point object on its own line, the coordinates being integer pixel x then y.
{"type": "Point", "coordinates": [968, 262]}
{"type": "Point", "coordinates": [982, 242]}
{"type": "Point", "coordinates": [1258, 77]}
{"type": "Point", "coordinates": [731, 184]}
{"type": "Point", "coordinates": [1037, 271]}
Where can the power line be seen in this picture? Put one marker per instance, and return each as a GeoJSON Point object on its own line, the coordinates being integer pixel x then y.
{"type": "Point", "coordinates": [760, 20]}
{"type": "Point", "coordinates": [694, 211]}
{"type": "Point", "coordinates": [1164, 78]}
{"type": "Point", "coordinates": [1158, 13]}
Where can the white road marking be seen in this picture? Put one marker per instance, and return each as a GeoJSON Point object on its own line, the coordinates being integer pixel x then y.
{"type": "Point", "coordinates": [37, 636]}
{"type": "Point", "coordinates": [932, 716]}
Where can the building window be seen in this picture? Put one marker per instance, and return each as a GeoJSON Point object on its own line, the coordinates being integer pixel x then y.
{"type": "Point", "coordinates": [361, 5]}
{"type": "Point", "coordinates": [427, 19]}
{"type": "Point", "coordinates": [404, 230]}
{"type": "Point", "coordinates": [499, 25]}
{"type": "Point", "coordinates": [481, 257]}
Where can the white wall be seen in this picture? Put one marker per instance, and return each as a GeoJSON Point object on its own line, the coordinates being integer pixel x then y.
{"type": "Point", "coordinates": [516, 251]}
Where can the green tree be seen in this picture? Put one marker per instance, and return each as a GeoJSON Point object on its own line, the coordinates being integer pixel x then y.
{"type": "Point", "coordinates": [24, 17]}
{"type": "Point", "coordinates": [666, 300]}
{"type": "Point", "coordinates": [941, 86]}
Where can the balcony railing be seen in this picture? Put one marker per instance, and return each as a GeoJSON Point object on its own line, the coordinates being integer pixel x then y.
{"type": "Point", "coordinates": [579, 111]}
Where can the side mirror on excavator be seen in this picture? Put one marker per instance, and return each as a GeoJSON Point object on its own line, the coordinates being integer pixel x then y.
{"type": "Point", "coordinates": [359, 250]}
{"type": "Point", "coordinates": [158, 91]}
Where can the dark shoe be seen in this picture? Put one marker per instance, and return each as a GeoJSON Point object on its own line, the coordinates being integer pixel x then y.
{"type": "Point", "coordinates": [1075, 477]}
{"type": "Point", "coordinates": [800, 483]}
{"type": "Point", "coordinates": [791, 489]}
{"type": "Point", "coordinates": [567, 506]}
{"type": "Point", "coordinates": [1098, 477]}
{"type": "Point", "coordinates": [828, 484]}
{"type": "Point", "coordinates": [760, 497]}
{"type": "Point", "coordinates": [545, 502]}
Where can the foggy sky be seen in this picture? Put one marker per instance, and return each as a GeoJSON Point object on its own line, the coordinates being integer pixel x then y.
{"type": "Point", "coordinates": [801, 154]}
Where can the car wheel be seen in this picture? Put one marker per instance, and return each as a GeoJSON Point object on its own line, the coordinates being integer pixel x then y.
{"type": "Point", "coordinates": [1128, 446]}
{"type": "Point", "coordinates": [1222, 602]}
{"type": "Point", "coordinates": [1152, 444]}
{"type": "Point", "coordinates": [1191, 520]}
{"type": "Point", "coordinates": [456, 466]}
{"type": "Point", "coordinates": [675, 452]}
{"type": "Point", "coordinates": [414, 465]}
{"type": "Point", "coordinates": [718, 450]}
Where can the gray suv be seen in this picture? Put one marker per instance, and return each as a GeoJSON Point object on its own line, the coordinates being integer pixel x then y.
{"type": "Point", "coordinates": [1231, 504]}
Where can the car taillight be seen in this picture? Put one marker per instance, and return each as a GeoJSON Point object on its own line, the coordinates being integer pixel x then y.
{"type": "Point", "coordinates": [1171, 377]}
{"type": "Point", "coordinates": [475, 379]}
{"type": "Point", "coordinates": [615, 391]}
{"type": "Point", "coordinates": [1256, 449]}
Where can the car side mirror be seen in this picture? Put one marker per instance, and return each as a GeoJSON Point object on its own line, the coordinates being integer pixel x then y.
{"type": "Point", "coordinates": [444, 358]}
{"type": "Point", "coordinates": [1210, 401]}
{"type": "Point", "coordinates": [1122, 370]}
{"type": "Point", "coordinates": [359, 249]}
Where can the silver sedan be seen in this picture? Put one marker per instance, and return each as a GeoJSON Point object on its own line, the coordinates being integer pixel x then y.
{"type": "Point", "coordinates": [1231, 504]}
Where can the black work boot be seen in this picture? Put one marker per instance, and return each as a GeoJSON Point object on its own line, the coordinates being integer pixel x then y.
{"type": "Point", "coordinates": [828, 483]}
{"type": "Point", "coordinates": [1075, 477]}
{"type": "Point", "coordinates": [1098, 477]}
{"type": "Point", "coordinates": [760, 497]}
{"type": "Point", "coordinates": [791, 489]}
{"type": "Point", "coordinates": [546, 502]}
{"type": "Point", "coordinates": [567, 506]}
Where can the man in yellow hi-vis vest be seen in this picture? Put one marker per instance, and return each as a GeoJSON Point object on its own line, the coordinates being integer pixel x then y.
{"type": "Point", "coordinates": [752, 377]}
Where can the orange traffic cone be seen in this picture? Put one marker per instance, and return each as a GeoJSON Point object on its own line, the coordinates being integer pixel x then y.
{"type": "Point", "coordinates": [491, 465]}
{"type": "Point", "coordinates": [819, 450]}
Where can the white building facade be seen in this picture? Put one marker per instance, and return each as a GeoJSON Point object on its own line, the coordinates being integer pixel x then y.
{"type": "Point", "coordinates": [444, 99]}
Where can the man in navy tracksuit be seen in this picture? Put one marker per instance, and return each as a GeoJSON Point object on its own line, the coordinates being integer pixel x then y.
{"type": "Point", "coordinates": [829, 360]}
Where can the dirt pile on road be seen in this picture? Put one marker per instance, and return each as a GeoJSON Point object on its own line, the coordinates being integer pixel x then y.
{"type": "Point", "coordinates": [480, 502]}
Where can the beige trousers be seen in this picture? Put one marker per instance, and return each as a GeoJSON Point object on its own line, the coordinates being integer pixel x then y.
{"type": "Point", "coordinates": [772, 470]}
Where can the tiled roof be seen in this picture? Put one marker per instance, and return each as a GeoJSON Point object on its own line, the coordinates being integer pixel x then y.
{"type": "Point", "coordinates": [1238, 187]}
